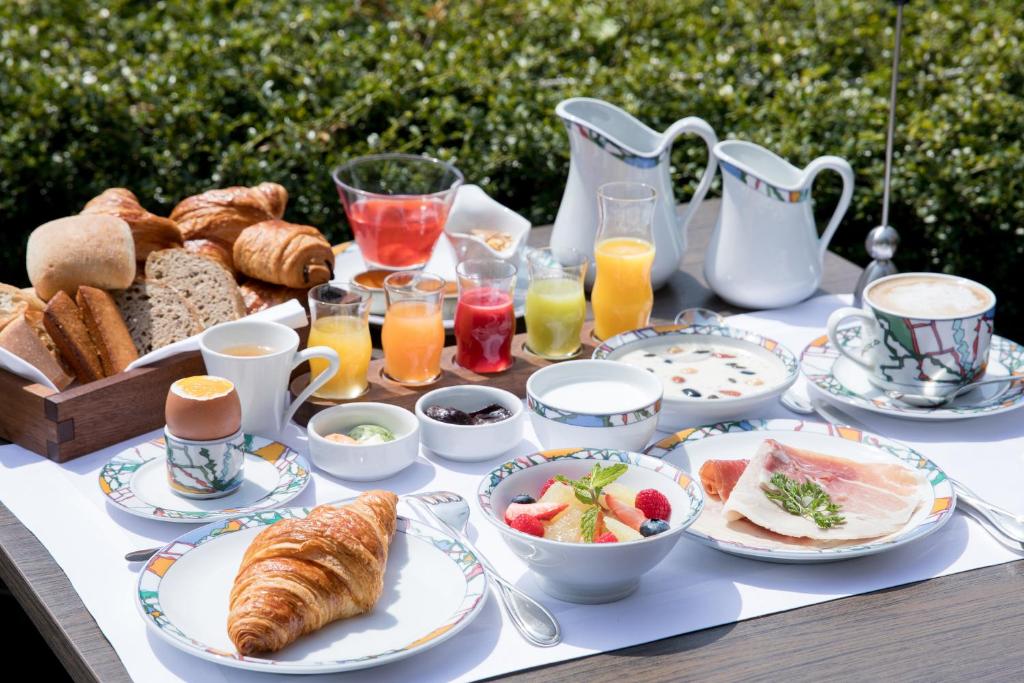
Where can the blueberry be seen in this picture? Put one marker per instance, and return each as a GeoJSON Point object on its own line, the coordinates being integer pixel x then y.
{"type": "Point", "coordinates": [747, 372]}
{"type": "Point", "coordinates": [692, 393]}
{"type": "Point", "coordinates": [524, 499]}
{"type": "Point", "coordinates": [651, 527]}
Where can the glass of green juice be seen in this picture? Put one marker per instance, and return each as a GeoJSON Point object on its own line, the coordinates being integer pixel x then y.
{"type": "Point", "coordinates": [555, 304]}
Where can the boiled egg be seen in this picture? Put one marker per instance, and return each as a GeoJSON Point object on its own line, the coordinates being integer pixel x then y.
{"type": "Point", "coordinates": [203, 408]}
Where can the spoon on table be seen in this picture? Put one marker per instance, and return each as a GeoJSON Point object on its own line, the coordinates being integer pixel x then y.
{"type": "Point", "coordinates": [928, 401]}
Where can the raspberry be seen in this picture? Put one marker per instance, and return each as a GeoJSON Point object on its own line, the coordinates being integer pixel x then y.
{"type": "Point", "coordinates": [546, 486]}
{"type": "Point", "coordinates": [606, 537]}
{"type": "Point", "coordinates": [653, 504]}
{"type": "Point", "coordinates": [528, 525]}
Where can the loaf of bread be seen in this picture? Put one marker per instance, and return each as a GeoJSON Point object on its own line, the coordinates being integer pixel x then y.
{"type": "Point", "coordinates": [63, 321]}
{"type": "Point", "coordinates": [259, 295]}
{"type": "Point", "coordinates": [212, 250]}
{"type": "Point", "coordinates": [207, 285]}
{"type": "Point", "coordinates": [34, 302]}
{"type": "Point", "coordinates": [149, 231]}
{"type": "Point", "coordinates": [80, 250]}
{"type": "Point", "coordinates": [34, 319]}
{"type": "Point", "coordinates": [284, 253]}
{"type": "Point", "coordinates": [12, 305]}
{"type": "Point", "coordinates": [19, 338]}
{"type": "Point", "coordinates": [107, 329]}
{"type": "Point", "coordinates": [156, 315]}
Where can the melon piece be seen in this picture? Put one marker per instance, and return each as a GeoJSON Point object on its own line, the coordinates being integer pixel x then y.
{"type": "Point", "coordinates": [562, 494]}
{"type": "Point", "coordinates": [623, 493]}
{"type": "Point", "coordinates": [566, 526]}
{"type": "Point", "coordinates": [620, 530]}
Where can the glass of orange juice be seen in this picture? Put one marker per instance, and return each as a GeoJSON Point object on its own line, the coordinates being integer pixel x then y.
{"type": "Point", "coordinates": [413, 333]}
{"type": "Point", "coordinates": [622, 297]}
{"type": "Point", "coordinates": [339, 316]}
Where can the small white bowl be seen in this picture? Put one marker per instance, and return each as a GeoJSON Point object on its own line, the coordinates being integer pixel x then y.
{"type": "Point", "coordinates": [595, 403]}
{"type": "Point", "coordinates": [473, 209]}
{"type": "Point", "coordinates": [470, 443]}
{"type": "Point", "coordinates": [682, 411]}
{"type": "Point", "coordinates": [589, 572]}
{"type": "Point", "coordinates": [368, 462]}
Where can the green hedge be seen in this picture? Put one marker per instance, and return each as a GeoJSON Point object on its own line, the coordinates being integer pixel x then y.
{"type": "Point", "coordinates": [170, 98]}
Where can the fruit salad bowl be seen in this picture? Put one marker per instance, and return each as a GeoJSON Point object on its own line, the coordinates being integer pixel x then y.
{"type": "Point", "coordinates": [627, 547]}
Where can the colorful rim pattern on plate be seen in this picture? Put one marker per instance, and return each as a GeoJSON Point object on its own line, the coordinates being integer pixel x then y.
{"type": "Point", "coordinates": [694, 493]}
{"type": "Point", "coordinates": [585, 420]}
{"type": "Point", "coordinates": [942, 506]}
{"type": "Point", "coordinates": [116, 476]}
{"type": "Point", "coordinates": [613, 149]}
{"type": "Point", "coordinates": [820, 356]}
{"type": "Point", "coordinates": [762, 187]}
{"type": "Point", "coordinates": [778, 350]}
{"type": "Point", "coordinates": [156, 568]}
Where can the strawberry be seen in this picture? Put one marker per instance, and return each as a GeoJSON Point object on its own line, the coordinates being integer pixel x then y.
{"type": "Point", "coordinates": [606, 537]}
{"type": "Point", "coordinates": [546, 486]}
{"type": "Point", "coordinates": [542, 511]}
{"type": "Point", "coordinates": [653, 504]}
{"type": "Point", "coordinates": [528, 525]}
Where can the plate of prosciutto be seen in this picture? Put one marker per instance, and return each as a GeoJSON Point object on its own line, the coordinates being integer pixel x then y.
{"type": "Point", "coordinates": [793, 491]}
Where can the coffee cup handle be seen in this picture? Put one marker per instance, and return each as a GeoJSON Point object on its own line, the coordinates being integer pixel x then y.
{"type": "Point", "coordinates": [842, 315]}
{"type": "Point", "coordinates": [314, 382]}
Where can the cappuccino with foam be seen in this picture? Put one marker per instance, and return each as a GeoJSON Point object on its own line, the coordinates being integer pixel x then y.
{"type": "Point", "coordinates": [922, 295]}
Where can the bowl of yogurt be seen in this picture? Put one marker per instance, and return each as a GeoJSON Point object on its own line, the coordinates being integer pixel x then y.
{"type": "Point", "coordinates": [593, 403]}
{"type": "Point", "coordinates": [708, 373]}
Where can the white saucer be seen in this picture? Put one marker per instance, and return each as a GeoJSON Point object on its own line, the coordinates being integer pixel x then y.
{"type": "Point", "coordinates": [839, 380]}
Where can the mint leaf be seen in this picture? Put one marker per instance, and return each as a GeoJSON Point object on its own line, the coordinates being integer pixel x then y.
{"type": "Point", "coordinates": [603, 477]}
{"type": "Point", "coordinates": [588, 523]}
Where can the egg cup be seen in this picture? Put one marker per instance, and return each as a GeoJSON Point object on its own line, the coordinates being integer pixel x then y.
{"type": "Point", "coordinates": [205, 469]}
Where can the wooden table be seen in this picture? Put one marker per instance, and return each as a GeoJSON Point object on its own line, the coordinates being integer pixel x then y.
{"type": "Point", "coordinates": [965, 626]}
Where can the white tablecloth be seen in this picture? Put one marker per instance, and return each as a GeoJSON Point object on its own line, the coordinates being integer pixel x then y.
{"type": "Point", "coordinates": [694, 588]}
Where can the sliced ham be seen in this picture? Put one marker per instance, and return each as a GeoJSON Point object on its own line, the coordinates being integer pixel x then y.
{"type": "Point", "coordinates": [875, 498]}
{"type": "Point", "coordinates": [720, 476]}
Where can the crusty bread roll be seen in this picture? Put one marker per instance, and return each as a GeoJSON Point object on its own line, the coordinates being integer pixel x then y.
{"type": "Point", "coordinates": [12, 304]}
{"type": "Point", "coordinates": [34, 302]}
{"type": "Point", "coordinates": [149, 231]}
{"type": "Point", "coordinates": [20, 339]}
{"type": "Point", "coordinates": [80, 250]}
{"type": "Point", "coordinates": [107, 329]}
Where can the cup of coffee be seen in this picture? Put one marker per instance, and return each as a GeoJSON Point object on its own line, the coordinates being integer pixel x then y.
{"type": "Point", "coordinates": [922, 333]}
{"type": "Point", "coordinates": [259, 357]}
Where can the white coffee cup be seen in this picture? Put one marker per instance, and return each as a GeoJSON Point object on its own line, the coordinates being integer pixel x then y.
{"type": "Point", "coordinates": [262, 380]}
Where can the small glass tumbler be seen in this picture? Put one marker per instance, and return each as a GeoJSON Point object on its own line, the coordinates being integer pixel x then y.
{"type": "Point", "coordinates": [413, 332]}
{"type": "Point", "coordinates": [555, 303]}
{"type": "Point", "coordinates": [396, 205]}
{"type": "Point", "coordinates": [340, 321]}
{"type": "Point", "coordinates": [622, 297]}
{"type": "Point", "coordinates": [485, 319]}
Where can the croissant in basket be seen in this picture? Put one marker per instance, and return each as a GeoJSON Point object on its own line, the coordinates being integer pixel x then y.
{"type": "Point", "coordinates": [298, 575]}
{"type": "Point", "coordinates": [149, 231]}
{"type": "Point", "coordinates": [284, 253]}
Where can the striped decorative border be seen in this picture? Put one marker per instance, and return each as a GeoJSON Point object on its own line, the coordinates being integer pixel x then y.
{"type": "Point", "coordinates": [820, 356]}
{"type": "Point", "coordinates": [588, 420]}
{"type": "Point", "coordinates": [942, 505]}
{"type": "Point", "coordinates": [613, 149]}
{"type": "Point", "coordinates": [157, 567]}
{"type": "Point", "coordinates": [116, 477]}
{"type": "Point", "coordinates": [760, 186]}
{"type": "Point", "coordinates": [694, 493]}
{"type": "Point", "coordinates": [778, 350]}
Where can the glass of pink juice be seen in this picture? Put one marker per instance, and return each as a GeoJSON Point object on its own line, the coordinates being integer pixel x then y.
{"type": "Point", "coordinates": [485, 320]}
{"type": "Point", "coordinates": [396, 205]}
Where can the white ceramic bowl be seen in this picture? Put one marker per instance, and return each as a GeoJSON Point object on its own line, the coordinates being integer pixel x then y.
{"type": "Point", "coordinates": [368, 462]}
{"type": "Point", "coordinates": [470, 443]}
{"type": "Point", "coordinates": [474, 209]}
{"type": "Point", "coordinates": [589, 572]}
{"type": "Point", "coordinates": [678, 412]}
{"type": "Point", "coordinates": [596, 403]}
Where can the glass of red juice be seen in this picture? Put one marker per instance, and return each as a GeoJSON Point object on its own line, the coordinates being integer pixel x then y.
{"type": "Point", "coordinates": [485, 321]}
{"type": "Point", "coordinates": [396, 205]}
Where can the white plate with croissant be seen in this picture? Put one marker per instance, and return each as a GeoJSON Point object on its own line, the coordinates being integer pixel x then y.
{"type": "Point", "coordinates": [239, 593]}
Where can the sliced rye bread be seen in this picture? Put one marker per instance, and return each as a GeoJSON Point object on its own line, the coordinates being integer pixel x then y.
{"type": "Point", "coordinates": [156, 315]}
{"type": "Point", "coordinates": [208, 285]}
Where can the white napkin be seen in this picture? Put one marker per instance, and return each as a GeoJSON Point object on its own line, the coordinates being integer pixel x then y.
{"type": "Point", "coordinates": [290, 313]}
{"type": "Point", "coordinates": [22, 368]}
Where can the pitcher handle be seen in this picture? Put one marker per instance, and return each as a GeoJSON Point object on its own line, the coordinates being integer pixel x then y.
{"type": "Point", "coordinates": [842, 167]}
{"type": "Point", "coordinates": [701, 128]}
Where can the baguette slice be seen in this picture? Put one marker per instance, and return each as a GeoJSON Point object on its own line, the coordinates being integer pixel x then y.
{"type": "Point", "coordinates": [20, 339]}
{"type": "Point", "coordinates": [107, 329]}
{"type": "Point", "coordinates": [208, 285]}
{"type": "Point", "coordinates": [34, 319]}
{"type": "Point", "coordinates": [63, 322]}
{"type": "Point", "coordinates": [156, 315]}
{"type": "Point", "coordinates": [13, 304]}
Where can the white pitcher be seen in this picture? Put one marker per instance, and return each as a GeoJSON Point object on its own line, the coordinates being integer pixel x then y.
{"type": "Point", "coordinates": [607, 144]}
{"type": "Point", "coordinates": [765, 251]}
